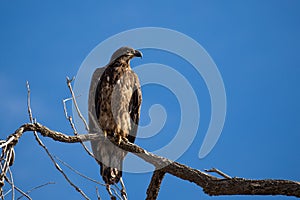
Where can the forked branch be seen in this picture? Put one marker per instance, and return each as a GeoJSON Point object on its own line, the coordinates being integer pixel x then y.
{"type": "Point", "coordinates": [211, 185]}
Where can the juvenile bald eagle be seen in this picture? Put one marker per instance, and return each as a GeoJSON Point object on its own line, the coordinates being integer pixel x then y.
{"type": "Point", "coordinates": [114, 109]}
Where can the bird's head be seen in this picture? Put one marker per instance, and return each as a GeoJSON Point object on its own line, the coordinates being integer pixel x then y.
{"type": "Point", "coordinates": [124, 54]}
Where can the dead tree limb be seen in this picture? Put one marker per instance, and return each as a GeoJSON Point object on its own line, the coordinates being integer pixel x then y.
{"type": "Point", "coordinates": [211, 185]}
{"type": "Point", "coordinates": [154, 186]}
{"type": "Point", "coordinates": [218, 172]}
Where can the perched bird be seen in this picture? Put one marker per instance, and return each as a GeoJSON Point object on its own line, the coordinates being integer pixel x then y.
{"type": "Point", "coordinates": [114, 109]}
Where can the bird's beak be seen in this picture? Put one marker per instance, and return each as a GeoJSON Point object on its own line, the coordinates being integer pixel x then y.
{"type": "Point", "coordinates": [138, 54]}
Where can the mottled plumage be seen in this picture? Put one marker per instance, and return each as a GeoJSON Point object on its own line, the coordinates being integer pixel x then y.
{"type": "Point", "coordinates": [114, 109]}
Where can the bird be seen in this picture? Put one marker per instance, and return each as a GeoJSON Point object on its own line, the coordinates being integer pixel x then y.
{"type": "Point", "coordinates": [114, 109]}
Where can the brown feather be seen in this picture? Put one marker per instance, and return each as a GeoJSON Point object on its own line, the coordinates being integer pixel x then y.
{"type": "Point", "coordinates": [116, 111]}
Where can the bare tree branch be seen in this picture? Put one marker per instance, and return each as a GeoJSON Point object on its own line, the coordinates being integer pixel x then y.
{"type": "Point", "coordinates": [84, 176]}
{"type": "Point", "coordinates": [77, 172]}
{"type": "Point", "coordinates": [210, 184]}
{"type": "Point", "coordinates": [70, 119]}
{"type": "Point", "coordinates": [35, 188]}
{"type": "Point", "coordinates": [97, 193]}
{"type": "Point", "coordinates": [69, 81]}
{"type": "Point", "coordinates": [12, 184]}
{"type": "Point", "coordinates": [46, 149]}
{"type": "Point", "coordinates": [154, 186]}
{"type": "Point", "coordinates": [218, 172]}
{"type": "Point", "coordinates": [18, 189]}
{"type": "Point", "coordinates": [59, 168]}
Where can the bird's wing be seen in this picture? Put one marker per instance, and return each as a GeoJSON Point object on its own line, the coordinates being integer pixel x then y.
{"type": "Point", "coordinates": [93, 119]}
{"type": "Point", "coordinates": [134, 108]}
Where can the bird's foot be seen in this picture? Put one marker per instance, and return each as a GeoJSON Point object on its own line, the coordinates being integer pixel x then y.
{"type": "Point", "coordinates": [125, 139]}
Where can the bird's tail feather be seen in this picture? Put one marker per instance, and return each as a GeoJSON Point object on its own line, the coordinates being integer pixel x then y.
{"type": "Point", "coordinates": [110, 158]}
{"type": "Point", "coordinates": [111, 175]}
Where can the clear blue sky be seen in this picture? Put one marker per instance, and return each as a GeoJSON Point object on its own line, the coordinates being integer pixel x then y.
{"type": "Point", "coordinates": [255, 45]}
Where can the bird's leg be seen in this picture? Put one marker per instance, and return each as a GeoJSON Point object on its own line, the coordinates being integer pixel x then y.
{"type": "Point", "coordinates": [123, 190]}
{"type": "Point", "coordinates": [119, 134]}
{"type": "Point", "coordinates": [112, 197]}
{"type": "Point", "coordinates": [125, 139]}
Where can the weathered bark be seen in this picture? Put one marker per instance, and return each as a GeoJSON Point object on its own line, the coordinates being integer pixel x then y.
{"type": "Point", "coordinates": [211, 185]}
{"type": "Point", "coordinates": [154, 186]}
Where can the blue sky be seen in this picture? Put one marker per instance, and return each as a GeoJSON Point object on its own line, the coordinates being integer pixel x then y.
{"type": "Point", "coordinates": [255, 45]}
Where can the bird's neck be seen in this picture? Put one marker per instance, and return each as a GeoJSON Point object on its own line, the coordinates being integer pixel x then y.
{"type": "Point", "coordinates": [125, 63]}
{"type": "Point", "coordinates": [121, 63]}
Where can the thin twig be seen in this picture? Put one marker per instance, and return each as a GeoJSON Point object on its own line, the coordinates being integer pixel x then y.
{"type": "Point", "coordinates": [12, 184]}
{"type": "Point", "coordinates": [28, 103]}
{"type": "Point", "coordinates": [59, 168]}
{"type": "Point", "coordinates": [108, 189]}
{"type": "Point", "coordinates": [46, 149]}
{"type": "Point", "coordinates": [65, 106]}
{"type": "Point", "coordinates": [69, 81]}
{"type": "Point", "coordinates": [70, 119]}
{"type": "Point", "coordinates": [97, 193]}
{"type": "Point", "coordinates": [84, 176]}
{"type": "Point", "coordinates": [5, 143]}
{"type": "Point", "coordinates": [37, 187]}
{"type": "Point", "coordinates": [77, 172]}
{"type": "Point", "coordinates": [123, 190]}
{"type": "Point", "coordinates": [7, 192]}
{"type": "Point", "coordinates": [115, 188]}
{"type": "Point", "coordinates": [2, 175]}
{"type": "Point", "coordinates": [18, 189]}
{"type": "Point", "coordinates": [7, 159]}
{"type": "Point", "coordinates": [218, 172]}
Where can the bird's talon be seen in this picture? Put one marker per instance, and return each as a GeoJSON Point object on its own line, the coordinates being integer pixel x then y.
{"type": "Point", "coordinates": [125, 139]}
